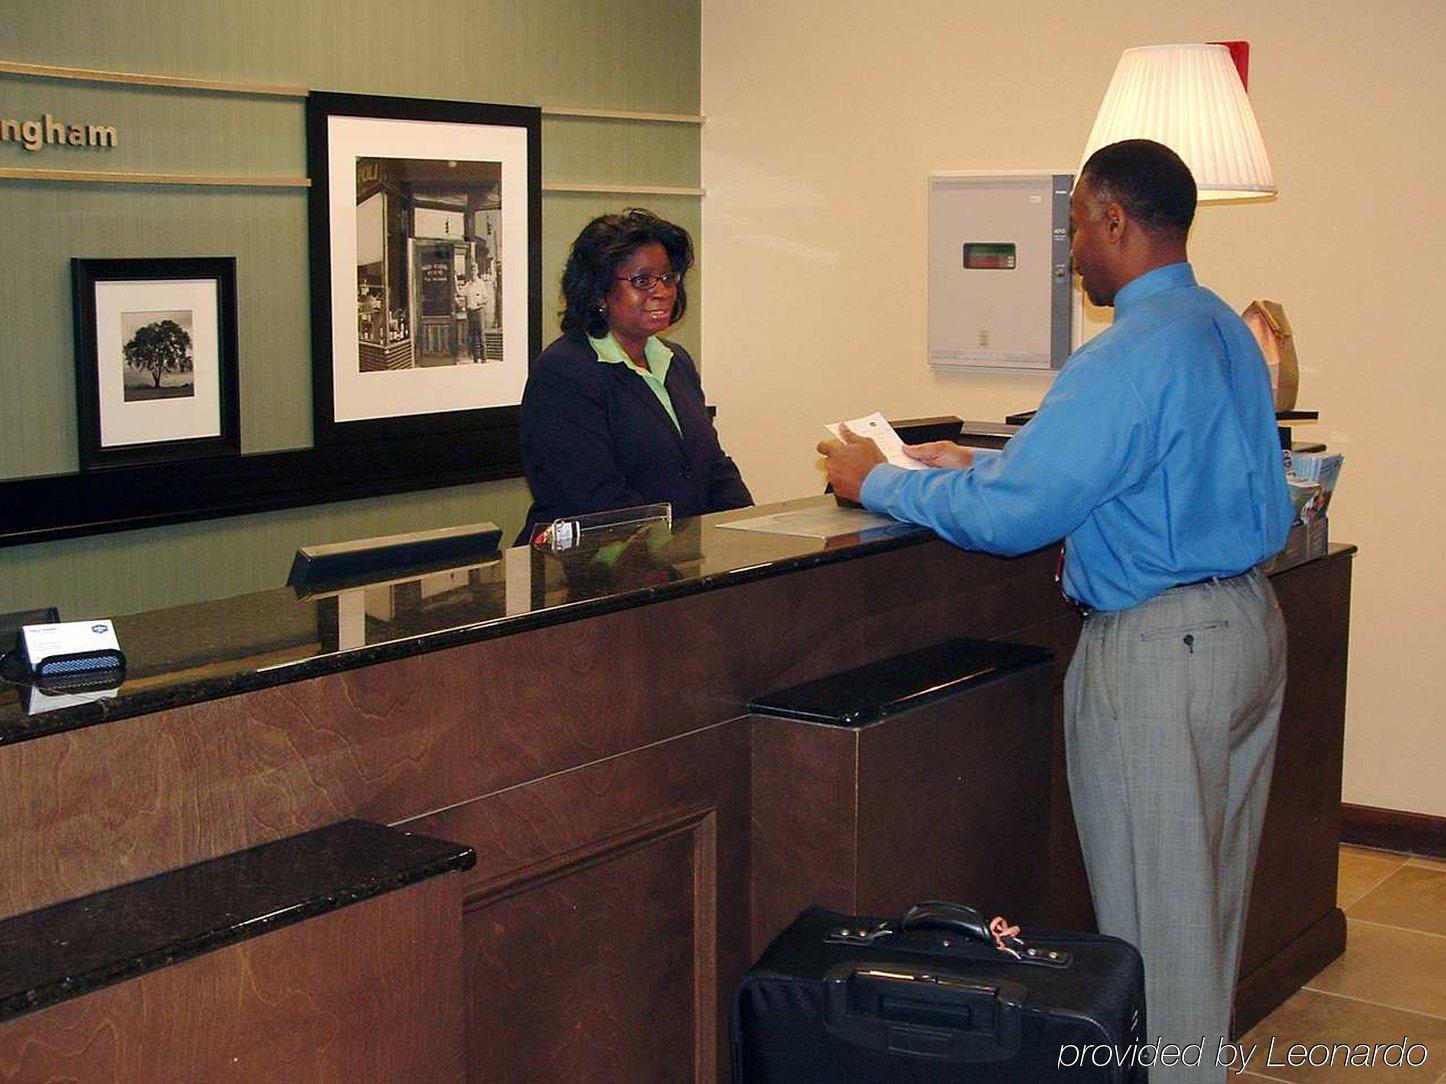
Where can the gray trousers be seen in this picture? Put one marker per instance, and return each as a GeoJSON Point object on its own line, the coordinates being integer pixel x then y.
{"type": "Point", "coordinates": [1171, 714]}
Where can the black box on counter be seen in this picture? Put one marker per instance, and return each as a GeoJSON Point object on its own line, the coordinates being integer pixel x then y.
{"type": "Point", "coordinates": [1306, 542]}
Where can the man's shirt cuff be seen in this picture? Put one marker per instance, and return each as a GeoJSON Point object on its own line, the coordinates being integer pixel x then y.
{"type": "Point", "coordinates": [876, 485]}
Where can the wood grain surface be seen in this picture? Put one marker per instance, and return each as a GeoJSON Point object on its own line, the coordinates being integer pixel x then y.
{"type": "Point", "coordinates": [369, 992]}
{"type": "Point", "coordinates": [804, 814]}
{"type": "Point", "coordinates": [610, 782]}
{"type": "Point", "coordinates": [607, 916]}
{"type": "Point", "coordinates": [1293, 908]}
{"type": "Point", "coordinates": [95, 807]}
{"type": "Point", "coordinates": [947, 801]}
{"type": "Point", "coordinates": [954, 801]}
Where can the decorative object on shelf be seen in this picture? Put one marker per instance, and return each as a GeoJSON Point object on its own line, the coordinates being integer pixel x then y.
{"type": "Point", "coordinates": [1268, 323]}
{"type": "Point", "coordinates": [1192, 99]}
{"type": "Point", "coordinates": [155, 359]}
{"type": "Point", "coordinates": [426, 267]}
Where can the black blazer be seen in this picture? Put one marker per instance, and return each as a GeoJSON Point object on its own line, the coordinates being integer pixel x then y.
{"type": "Point", "coordinates": [595, 437]}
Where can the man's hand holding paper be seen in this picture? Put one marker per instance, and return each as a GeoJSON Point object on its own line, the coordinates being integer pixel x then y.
{"type": "Point", "coordinates": [864, 443]}
{"type": "Point", "coordinates": [941, 453]}
{"type": "Point", "coordinates": [877, 430]}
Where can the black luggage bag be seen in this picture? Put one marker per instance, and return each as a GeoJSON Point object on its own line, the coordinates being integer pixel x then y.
{"type": "Point", "coordinates": [938, 997]}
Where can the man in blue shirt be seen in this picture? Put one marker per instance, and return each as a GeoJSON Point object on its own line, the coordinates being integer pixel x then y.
{"type": "Point", "coordinates": [1155, 457]}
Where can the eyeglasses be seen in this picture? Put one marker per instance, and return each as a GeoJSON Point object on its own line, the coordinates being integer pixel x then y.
{"type": "Point", "coordinates": [644, 280]}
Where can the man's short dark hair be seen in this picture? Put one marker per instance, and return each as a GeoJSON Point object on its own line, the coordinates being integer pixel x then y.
{"type": "Point", "coordinates": [1148, 180]}
{"type": "Point", "coordinates": [599, 251]}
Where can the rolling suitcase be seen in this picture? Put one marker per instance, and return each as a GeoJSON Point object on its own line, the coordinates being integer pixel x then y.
{"type": "Point", "coordinates": [939, 996]}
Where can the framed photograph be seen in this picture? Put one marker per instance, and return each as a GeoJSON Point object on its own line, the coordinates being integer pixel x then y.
{"type": "Point", "coordinates": [426, 269]}
{"type": "Point", "coordinates": [155, 359]}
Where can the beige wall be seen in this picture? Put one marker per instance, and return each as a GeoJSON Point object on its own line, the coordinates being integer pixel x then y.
{"type": "Point", "coordinates": [824, 120]}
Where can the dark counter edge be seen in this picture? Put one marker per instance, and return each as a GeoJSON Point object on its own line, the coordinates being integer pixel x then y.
{"type": "Point", "coordinates": [434, 857]}
{"type": "Point", "coordinates": [53, 507]}
{"type": "Point", "coordinates": [1008, 658]}
{"type": "Point", "coordinates": [870, 542]}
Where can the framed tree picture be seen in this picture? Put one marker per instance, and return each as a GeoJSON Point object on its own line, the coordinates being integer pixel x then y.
{"type": "Point", "coordinates": [426, 268]}
{"type": "Point", "coordinates": [155, 359]}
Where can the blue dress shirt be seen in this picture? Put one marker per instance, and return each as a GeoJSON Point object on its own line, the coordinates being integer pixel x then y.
{"type": "Point", "coordinates": [1155, 455]}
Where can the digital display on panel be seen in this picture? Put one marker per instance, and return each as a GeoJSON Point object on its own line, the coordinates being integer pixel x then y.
{"type": "Point", "coordinates": [989, 256]}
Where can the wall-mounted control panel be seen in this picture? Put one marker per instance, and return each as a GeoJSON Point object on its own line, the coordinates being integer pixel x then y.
{"type": "Point", "coordinates": [1000, 291]}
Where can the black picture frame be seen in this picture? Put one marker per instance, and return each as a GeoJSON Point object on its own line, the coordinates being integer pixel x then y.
{"type": "Point", "coordinates": [373, 377]}
{"type": "Point", "coordinates": [188, 305]}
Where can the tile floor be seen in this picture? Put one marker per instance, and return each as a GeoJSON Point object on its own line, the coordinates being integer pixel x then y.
{"type": "Point", "coordinates": [1390, 985]}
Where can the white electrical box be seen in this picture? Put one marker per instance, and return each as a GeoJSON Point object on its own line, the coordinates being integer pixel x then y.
{"type": "Point", "coordinates": [1000, 291]}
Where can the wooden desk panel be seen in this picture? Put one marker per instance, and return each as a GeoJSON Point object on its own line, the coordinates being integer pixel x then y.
{"type": "Point", "coordinates": [606, 919]}
{"type": "Point", "coordinates": [946, 801]}
{"type": "Point", "coordinates": [600, 768]}
{"type": "Point", "coordinates": [370, 992]}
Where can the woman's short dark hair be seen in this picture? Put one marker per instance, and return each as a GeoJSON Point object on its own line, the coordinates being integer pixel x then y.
{"type": "Point", "coordinates": [600, 250]}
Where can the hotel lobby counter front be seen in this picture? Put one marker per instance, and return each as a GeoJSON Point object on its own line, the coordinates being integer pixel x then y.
{"type": "Point", "coordinates": [581, 723]}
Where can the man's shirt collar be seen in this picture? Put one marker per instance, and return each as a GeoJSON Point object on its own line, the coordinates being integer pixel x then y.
{"type": "Point", "coordinates": [1169, 277]}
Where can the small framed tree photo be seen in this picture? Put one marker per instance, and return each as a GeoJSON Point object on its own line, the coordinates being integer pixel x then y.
{"type": "Point", "coordinates": [155, 359]}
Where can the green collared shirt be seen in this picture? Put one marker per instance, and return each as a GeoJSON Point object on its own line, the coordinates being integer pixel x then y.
{"type": "Point", "coordinates": [658, 357]}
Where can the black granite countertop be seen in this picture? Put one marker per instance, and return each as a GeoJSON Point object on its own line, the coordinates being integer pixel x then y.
{"type": "Point", "coordinates": [866, 694]}
{"type": "Point", "coordinates": [202, 652]}
{"type": "Point", "coordinates": [190, 654]}
{"type": "Point", "coordinates": [73, 948]}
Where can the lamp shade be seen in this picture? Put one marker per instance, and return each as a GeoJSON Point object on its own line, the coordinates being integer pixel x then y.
{"type": "Point", "coordinates": [1190, 98]}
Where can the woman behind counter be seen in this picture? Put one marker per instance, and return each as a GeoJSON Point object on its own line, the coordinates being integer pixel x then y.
{"type": "Point", "coordinates": [612, 415]}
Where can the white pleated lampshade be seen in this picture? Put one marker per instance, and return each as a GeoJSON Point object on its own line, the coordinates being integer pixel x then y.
{"type": "Point", "coordinates": [1190, 98]}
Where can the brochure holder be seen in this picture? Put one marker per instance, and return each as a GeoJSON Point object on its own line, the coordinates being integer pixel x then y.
{"type": "Point", "coordinates": [570, 532]}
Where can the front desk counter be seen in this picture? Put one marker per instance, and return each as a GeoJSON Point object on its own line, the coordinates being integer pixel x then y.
{"type": "Point", "coordinates": [582, 724]}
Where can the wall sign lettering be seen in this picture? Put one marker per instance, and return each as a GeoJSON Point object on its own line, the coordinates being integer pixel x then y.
{"type": "Point", "coordinates": [47, 131]}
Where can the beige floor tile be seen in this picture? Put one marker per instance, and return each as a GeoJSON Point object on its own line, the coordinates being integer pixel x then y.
{"type": "Point", "coordinates": [1400, 968]}
{"type": "Point", "coordinates": [1413, 897]}
{"type": "Point", "coordinates": [1313, 1019]}
{"type": "Point", "coordinates": [1374, 852]}
{"type": "Point", "coordinates": [1428, 863]}
{"type": "Point", "coordinates": [1362, 870]}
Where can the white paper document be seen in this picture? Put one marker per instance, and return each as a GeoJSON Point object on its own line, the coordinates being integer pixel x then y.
{"type": "Point", "coordinates": [877, 427]}
{"type": "Point", "coordinates": [825, 522]}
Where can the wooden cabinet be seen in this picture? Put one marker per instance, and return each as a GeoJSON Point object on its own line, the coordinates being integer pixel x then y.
{"type": "Point", "coordinates": [601, 768]}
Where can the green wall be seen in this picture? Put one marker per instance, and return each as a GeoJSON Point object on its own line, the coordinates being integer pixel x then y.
{"type": "Point", "coordinates": [596, 54]}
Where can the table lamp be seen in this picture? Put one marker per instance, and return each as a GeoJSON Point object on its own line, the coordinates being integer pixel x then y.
{"type": "Point", "coordinates": [1192, 99]}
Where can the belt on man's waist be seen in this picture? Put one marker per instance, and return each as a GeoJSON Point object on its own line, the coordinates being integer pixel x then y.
{"type": "Point", "coordinates": [1208, 579]}
{"type": "Point", "coordinates": [1086, 611]}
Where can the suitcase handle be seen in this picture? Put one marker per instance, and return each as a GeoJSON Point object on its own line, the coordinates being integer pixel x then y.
{"type": "Point", "coordinates": [933, 1015]}
{"type": "Point", "coordinates": [962, 919]}
{"type": "Point", "coordinates": [944, 915]}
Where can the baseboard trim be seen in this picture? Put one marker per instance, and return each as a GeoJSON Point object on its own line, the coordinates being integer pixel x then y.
{"type": "Point", "coordinates": [1393, 830]}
